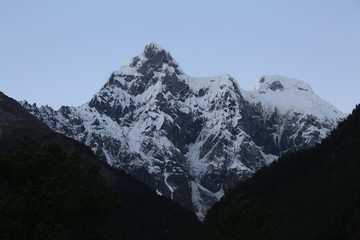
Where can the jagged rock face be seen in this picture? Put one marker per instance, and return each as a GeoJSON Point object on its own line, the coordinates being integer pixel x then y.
{"type": "Point", "coordinates": [192, 139]}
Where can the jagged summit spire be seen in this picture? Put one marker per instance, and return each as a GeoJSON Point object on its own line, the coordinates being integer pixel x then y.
{"type": "Point", "coordinates": [154, 58]}
{"type": "Point", "coordinates": [154, 47]}
{"type": "Point", "coordinates": [155, 52]}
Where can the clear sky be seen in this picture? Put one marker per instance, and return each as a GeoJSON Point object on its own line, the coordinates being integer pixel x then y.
{"type": "Point", "coordinates": [61, 52]}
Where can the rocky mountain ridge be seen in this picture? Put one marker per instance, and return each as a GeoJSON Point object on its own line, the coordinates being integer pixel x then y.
{"type": "Point", "coordinates": [191, 139]}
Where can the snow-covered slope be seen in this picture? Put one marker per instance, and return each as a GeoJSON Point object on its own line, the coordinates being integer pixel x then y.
{"type": "Point", "coordinates": [192, 139]}
{"type": "Point", "coordinates": [290, 95]}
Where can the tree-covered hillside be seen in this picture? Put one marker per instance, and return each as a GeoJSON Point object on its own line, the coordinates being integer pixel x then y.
{"type": "Point", "coordinates": [47, 174]}
{"type": "Point", "coordinates": [46, 194]}
{"type": "Point", "coordinates": [311, 194]}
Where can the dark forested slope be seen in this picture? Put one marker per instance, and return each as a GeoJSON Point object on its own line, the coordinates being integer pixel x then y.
{"type": "Point", "coordinates": [142, 215]}
{"type": "Point", "coordinates": [311, 194]}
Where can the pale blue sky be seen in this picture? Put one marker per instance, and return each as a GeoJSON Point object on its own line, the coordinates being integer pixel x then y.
{"type": "Point", "coordinates": [61, 52]}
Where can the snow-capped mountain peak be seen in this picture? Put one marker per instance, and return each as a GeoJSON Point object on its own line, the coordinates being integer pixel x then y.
{"type": "Point", "coordinates": [289, 95]}
{"type": "Point", "coordinates": [192, 138]}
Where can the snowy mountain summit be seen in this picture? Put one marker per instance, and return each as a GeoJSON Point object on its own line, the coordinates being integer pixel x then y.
{"type": "Point", "coordinates": [300, 98]}
{"type": "Point", "coordinates": [190, 138]}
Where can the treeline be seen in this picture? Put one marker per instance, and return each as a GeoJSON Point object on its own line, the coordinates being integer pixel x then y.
{"type": "Point", "coordinates": [57, 188]}
{"type": "Point", "coordinates": [311, 194]}
{"type": "Point", "coordinates": [45, 193]}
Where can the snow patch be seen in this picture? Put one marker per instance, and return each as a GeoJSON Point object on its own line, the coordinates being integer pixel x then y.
{"type": "Point", "coordinates": [296, 97]}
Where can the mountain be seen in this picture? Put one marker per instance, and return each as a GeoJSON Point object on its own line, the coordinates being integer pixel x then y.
{"type": "Point", "coordinates": [310, 194]}
{"type": "Point", "coordinates": [157, 217]}
{"type": "Point", "coordinates": [15, 121]}
{"type": "Point", "coordinates": [188, 138]}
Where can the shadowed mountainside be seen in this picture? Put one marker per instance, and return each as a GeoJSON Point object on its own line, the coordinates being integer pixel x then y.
{"type": "Point", "coordinates": [143, 214]}
{"type": "Point", "coordinates": [310, 194]}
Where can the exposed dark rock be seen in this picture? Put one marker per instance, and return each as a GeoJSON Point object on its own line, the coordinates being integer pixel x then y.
{"type": "Point", "coordinates": [276, 85]}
